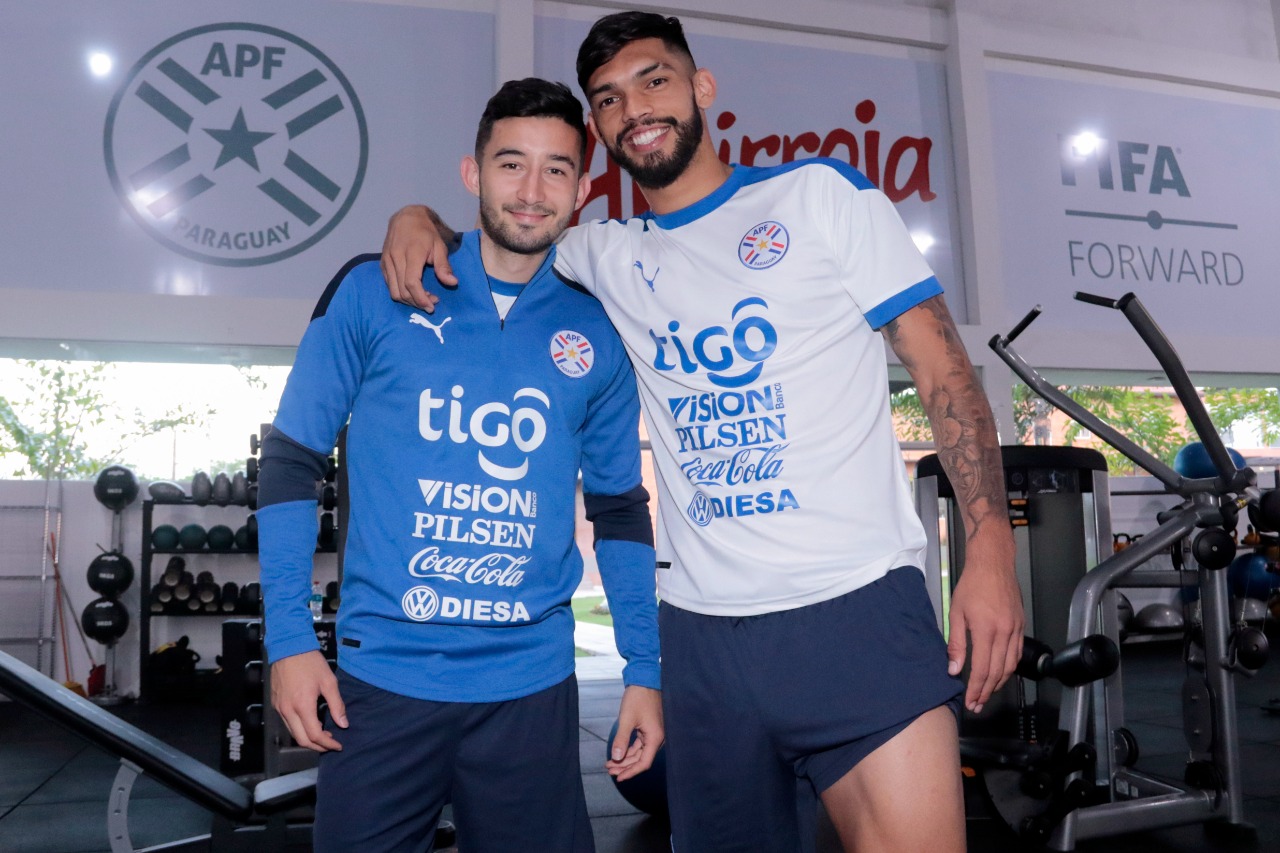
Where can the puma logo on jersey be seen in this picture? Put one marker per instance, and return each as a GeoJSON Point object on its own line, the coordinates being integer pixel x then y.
{"type": "Point", "coordinates": [423, 321]}
{"type": "Point", "coordinates": [647, 280]}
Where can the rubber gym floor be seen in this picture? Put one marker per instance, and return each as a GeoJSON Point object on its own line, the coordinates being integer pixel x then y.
{"type": "Point", "coordinates": [54, 786]}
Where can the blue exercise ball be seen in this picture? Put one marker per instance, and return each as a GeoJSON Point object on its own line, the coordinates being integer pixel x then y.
{"type": "Point", "coordinates": [648, 790]}
{"type": "Point", "coordinates": [1193, 461]}
{"type": "Point", "coordinates": [1248, 577]}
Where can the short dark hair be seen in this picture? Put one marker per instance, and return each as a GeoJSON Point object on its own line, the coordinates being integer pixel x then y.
{"type": "Point", "coordinates": [612, 33]}
{"type": "Point", "coordinates": [533, 97]}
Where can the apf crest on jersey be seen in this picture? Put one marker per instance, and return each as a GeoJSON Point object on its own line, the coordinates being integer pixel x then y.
{"type": "Point", "coordinates": [572, 353]}
{"type": "Point", "coordinates": [764, 245]}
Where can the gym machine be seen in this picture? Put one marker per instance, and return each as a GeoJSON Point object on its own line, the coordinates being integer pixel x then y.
{"type": "Point", "coordinates": [246, 817]}
{"type": "Point", "coordinates": [1094, 791]}
{"type": "Point", "coordinates": [1060, 511]}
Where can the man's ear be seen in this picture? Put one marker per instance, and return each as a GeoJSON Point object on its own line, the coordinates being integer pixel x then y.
{"type": "Point", "coordinates": [595, 132]}
{"type": "Point", "coordinates": [471, 175]}
{"type": "Point", "coordinates": [704, 88]}
{"type": "Point", "coordinates": [584, 189]}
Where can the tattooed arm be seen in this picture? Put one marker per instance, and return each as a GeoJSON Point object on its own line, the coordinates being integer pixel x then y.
{"type": "Point", "coordinates": [986, 608]}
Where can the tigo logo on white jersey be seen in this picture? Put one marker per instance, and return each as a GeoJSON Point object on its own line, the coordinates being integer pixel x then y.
{"type": "Point", "coordinates": [732, 358]}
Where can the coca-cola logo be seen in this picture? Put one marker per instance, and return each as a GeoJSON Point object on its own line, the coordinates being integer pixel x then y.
{"type": "Point", "coordinates": [487, 570]}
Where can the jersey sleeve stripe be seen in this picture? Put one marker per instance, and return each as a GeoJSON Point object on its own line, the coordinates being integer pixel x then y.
{"type": "Point", "coordinates": [903, 301]}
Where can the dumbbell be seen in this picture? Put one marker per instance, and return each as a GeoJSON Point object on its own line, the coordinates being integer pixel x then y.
{"type": "Point", "coordinates": [255, 441]}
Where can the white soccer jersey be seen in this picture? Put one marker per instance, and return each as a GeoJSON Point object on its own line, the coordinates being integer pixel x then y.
{"type": "Point", "coordinates": [751, 320]}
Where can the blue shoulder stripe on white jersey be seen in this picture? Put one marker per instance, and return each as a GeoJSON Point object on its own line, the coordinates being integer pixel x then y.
{"type": "Point", "coordinates": [903, 301]}
{"type": "Point", "coordinates": [743, 176]}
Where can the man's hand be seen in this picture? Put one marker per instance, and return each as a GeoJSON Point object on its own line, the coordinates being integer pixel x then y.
{"type": "Point", "coordinates": [640, 713]}
{"type": "Point", "coordinates": [415, 239]}
{"type": "Point", "coordinates": [986, 613]}
{"type": "Point", "coordinates": [297, 682]}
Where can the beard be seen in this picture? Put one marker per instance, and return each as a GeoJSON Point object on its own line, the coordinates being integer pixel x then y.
{"type": "Point", "coordinates": [513, 237]}
{"type": "Point", "coordinates": [657, 170]}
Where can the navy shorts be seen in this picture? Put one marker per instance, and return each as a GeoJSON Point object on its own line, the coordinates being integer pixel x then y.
{"type": "Point", "coordinates": [510, 769]}
{"type": "Point", "coordinates": [760, 708]}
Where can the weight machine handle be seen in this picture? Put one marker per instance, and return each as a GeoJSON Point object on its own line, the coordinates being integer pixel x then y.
{"type": "Point", "coordinates": [1230, 478]}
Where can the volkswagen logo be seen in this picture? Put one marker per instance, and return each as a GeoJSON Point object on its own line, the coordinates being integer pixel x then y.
{"type": "Point", "coordinates": [699, 510]}
{"type": "Point", "coordinates": [420, 603]}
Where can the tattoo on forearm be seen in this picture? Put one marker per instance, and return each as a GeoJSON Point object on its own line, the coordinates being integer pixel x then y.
{"type": "Point", "coordinates": [963, 427]}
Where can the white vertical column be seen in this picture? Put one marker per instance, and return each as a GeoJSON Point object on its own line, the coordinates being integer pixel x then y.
{"type": "Point", "coordinates": [513, 37]}
{"type": "Point", "coordinates": [987, 308]}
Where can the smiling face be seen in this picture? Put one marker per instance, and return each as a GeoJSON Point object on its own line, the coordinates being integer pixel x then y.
{"type": "Point", "coordinates": [646, 108]}
{"type": "Point", "coordinates": [529, 180]}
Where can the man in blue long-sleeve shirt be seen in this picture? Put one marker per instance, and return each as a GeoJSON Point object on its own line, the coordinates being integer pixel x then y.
{"type": "Point", "coordinates": [467, 431]}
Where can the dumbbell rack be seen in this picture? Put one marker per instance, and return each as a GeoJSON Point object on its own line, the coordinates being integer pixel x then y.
{"type": "Point", "coordinates": [149, 690]}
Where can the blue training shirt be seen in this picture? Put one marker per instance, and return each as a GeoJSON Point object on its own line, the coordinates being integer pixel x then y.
{"type": "Point", "coordinates": [466, 437]}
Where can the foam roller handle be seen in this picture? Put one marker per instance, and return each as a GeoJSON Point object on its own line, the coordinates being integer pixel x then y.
{"type": "Point", "coordinates": [1094, 657]}
{"type": "Point", "coordinates": [1035, 660]}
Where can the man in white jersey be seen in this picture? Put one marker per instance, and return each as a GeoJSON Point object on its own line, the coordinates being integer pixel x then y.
{"type": "Point", "coordinates": [797, 636]}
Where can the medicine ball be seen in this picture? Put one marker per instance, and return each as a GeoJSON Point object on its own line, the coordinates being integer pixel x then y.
{"type": "Point", "coordinates": [110, 574]}
{"type": "Point", "coordinates": [193, 537]}
{"type": "Point", "coordinates": [164, 537]}
{"type": "Point", "coordinates": [648, 790]}
{"type": "Point", "coordinates": [116, 487]}
{"type": "Point", "coordinates": [1193, 461]}
{"type": "Point", "coordinates": [1248, 577]}
{"type": "Point", "coordinates": [105, 620]}
{"type": "Point", "coordinates": [221, 538]}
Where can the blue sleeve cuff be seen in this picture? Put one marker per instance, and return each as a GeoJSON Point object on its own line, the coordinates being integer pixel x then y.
{"type": "Point", "coordinates": [627, 569]}
{"type": "Point", "coordinates": [286, 545]}
{"type": "Point", "coordinates": [903, 301]}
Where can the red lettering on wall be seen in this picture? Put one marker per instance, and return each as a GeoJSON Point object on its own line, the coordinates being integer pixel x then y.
{"type": "Point", "coordinates": [903, 173]}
